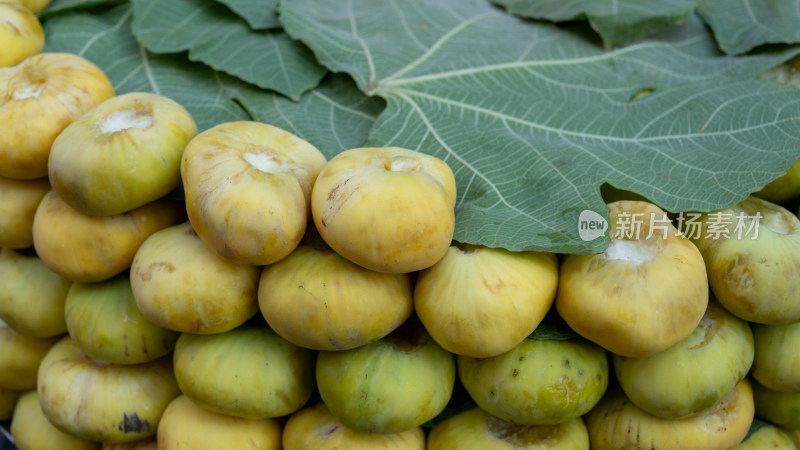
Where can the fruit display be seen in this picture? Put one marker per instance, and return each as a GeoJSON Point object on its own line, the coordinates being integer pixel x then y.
{"type": "Point", "coordinates": [186, 263]}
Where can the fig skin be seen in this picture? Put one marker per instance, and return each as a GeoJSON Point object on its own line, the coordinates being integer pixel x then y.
{"type": "Point", "coordinates": [317, 299]}
{"type": "Point", "coordinates": [33, 296]}
{"type": "Point", "coordinates": [38, 98]}
{"type": "Point", "coordinates": [481, 302]}
{"type": "Point", "coordinates": [315, 427]}
{"type": "Point", "coordinates": [75, 393]}
{"type": "Point", "coordinates": [617, 423]}
{"type": "Point", "coordinates": [90, 249]}
{"type": "Point", "coordinates": [121, 155]}
{"type": "Point", "coordinates": [476, 429]}
{"type": "Point", "coordinates": [20, 358]}
{"type": "Point", "coordinates": [779, 408]}
{"type": "Point", "coordinates": [181, 284]}
{"type": "Point", "coordinates": [8, 401]}
{"type": "Point", "coordinates": [273, 376]}
{"type": "Point", "coordinates": [643, 294]}
{"type": "Point", "coordinates": [18, 202]}
{"type": "Point", "coordinates": [185, 425]}
{"type": "Point", "coordinates": [143, 444]}
{"type": "Point", "coordinates": [35, 6]}
{"type": "Point", "coordinates": [387, 386]}
{"type": "Point", "coordinates": [248, 188]}
{"type": "Point", "coordinates": [21, 34]}
{"type": "Point", "coordinates": [693, 375]}
{"type": "Point", "coordinates": [104, 321]}
{"type": "Point", "coordinates": [754, 279]}
{"type": "Point", "coordinates": [784, 188]}
{"type": "Point", "coordinates": [31, 429]}
{"type": "Point", "coordinates": [386, 209]}
{"type": "Point", "coordinates": [538, 382]}
{"type": "Point", "coordinates": [777, 356]}
{"type": "Point", "coordinates": [768, 436]}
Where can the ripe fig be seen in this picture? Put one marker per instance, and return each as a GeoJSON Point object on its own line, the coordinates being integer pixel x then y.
{"type": "Point", "coordinates": [21, 34]}
{"type": "Point", "coordinates": [20, 358]}
{"type": "Point", "coordinates": [31, 429]}
{"type": "Point", "coordinates": [777, 356]}
{"type": "Point", "coordinates": [18, 202]}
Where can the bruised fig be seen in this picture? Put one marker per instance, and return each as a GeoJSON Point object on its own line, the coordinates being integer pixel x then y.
{"type": "Point", "coordinates": [315, 427]}
{"type": "Point", "coordinates": [122, 154]}
{"type": "Point", "coordinates": [476, 429]}
{"type": "Point", "coordinates": [646, 292]}
{"type": "Point", "coordinates": [248, 187]}
{"type": "Point", "coordinates": [386, 209]}
{"type": "Point", "coordinates": [38, 98]}
{"type": "Point", "coordinates": [21, 34]}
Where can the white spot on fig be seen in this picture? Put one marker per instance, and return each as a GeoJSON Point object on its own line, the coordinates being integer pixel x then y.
{"type": "Point", "coordinates": [125, 120]}
{"type": "Point", "coordinates": [269, 163]}
{"type": "Point", "coordinates": [631, 251]}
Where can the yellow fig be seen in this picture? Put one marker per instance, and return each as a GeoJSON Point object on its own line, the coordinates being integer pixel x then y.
{"type": "Point", "coordinates": [20, 358]}
{"type": "Point", "coordinates": [32, 430]}
{"type": "Point", "coordinates": [767, 437]}
{"type": "Point", "coordinates": [8, 400]}
{"type": "Point", "coordinates": [21, 34]}
{"type": "Point", "coordinates": [777, 356]}
{"type": "Point", "coordinates": [18, 202]}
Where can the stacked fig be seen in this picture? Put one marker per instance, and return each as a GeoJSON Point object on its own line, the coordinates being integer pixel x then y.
{"type": "Point", "coordinates": [169, 287]}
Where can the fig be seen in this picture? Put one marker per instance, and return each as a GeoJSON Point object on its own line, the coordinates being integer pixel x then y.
{"type": "Point", "coordinates": [538, 382]}
{"type": "Point", "coordinates": [779, 408]}
{"type": "Point", "coordinates": [21, 34]}
{"type": "Point", "coordinates": [768, 436]}
{"type": "Point", "coordinates": [273, 377]}
{"type": "Point", "coordinates": [38, 98]}
{"type": "Point", "coordinates": [150, 443]}
{"type": "Point", "coordinates": [315, 427]}
{"type": "Point", "coordinates": [476, 429]}
{"type": "Point", "coordinates": [752, 254]}
{"type": "Point", "coordinates": [121, 155]}
{"type": "Point", "coordinates": [35, 6]}
{"type": "Point", "coordinates": [777, 356]}
{"type": "Point", "coordinates": [647, 291]}
{"type": "Point", "coordinates": [31, 429]}
{"type": "Point", "coordinates": [18, 202]}
{"type": "Point", "coordinates": [390, 385]}
{"type": "Point", "coordinates": [20, 357]}
{"type": "Point", "coordinates": [90, 248]}
{"type": "Point", "coordinates": [33, 296]}
{"type": "Point", "coordinates": [8, 400]}
{"type": "Point", "coordinates": [186, 425]}
{"type": "Point", "coordinates": [617, 423]}
{"type": "Point", "coordinates": [693, 375]}
{"type": "Point", "coordinates": [181, 284]}
{"type": "Point", "coordinates": [784, 188]}
{"type": "Point", "coordinates": [248, 187]}
{"type": "Point", "coordinates": [76, 392]}
{"type": "Point", "coordinates": [104, 321]}
{"type": "Point", "coordinates": [480, 302]}
{"type": "Point", "coordinates": [387, 209]}
{"type": "Point", "coordinates": [317, 299]}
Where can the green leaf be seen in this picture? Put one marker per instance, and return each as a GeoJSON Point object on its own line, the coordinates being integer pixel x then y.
{"type": "Point", "coordinates": [60, 6]}
{"type": "Point", "coordinates": [221, 39]}
{"type": "Point", "coordinates": [618, 22]}
{"type": "Point", "coordinates": [334, 117]}
{"type": "Point", "coordinates": [259, 14]}
{"type": "Point", "coordinates": [554, 328]}
{"type": "Point", "coordinates": [741, 25]}
{"type": "Point", "coordinates": [106, 40]}
{"type": "Point", "coordinates": [534, 118]}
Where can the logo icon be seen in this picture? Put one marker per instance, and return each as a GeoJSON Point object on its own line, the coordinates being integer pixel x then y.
{"type": "Point", "coordinates": [591, 225]}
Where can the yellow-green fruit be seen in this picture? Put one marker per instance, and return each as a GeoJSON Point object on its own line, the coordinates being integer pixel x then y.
{"type": "Point", "coordinates": [767, 437]}
{"type": "Point", "coordinates": [481, 302]}
{"type": "Point", "coordinates": [18, 202]}
{"type": "Point", "coordinates": [31, 429]}
{"type": "Point", "coordinates": [95, 248]}
{"type": "Point", "coordinates": [185, 425]}
{"type": "Point", "coordinates": [104, 402]}
{"type": "Point", "coordinates": [36, 6]}
{"type": "Point", "coordinates": [150, 443]}
{"type": "Point", "coordinates": [617, 423]}
{"type": "Point", "coordinates": [388, 386]}
{"type": "Point", "coordinates": [780, 408]}
{"type": "Point", "coordinates": [248, 187]}
{"type": "Point", "coordinates": [316, 299]}
{"type": "Point", "coordinates": [752, 253]}
{"type": "Point", "coordinates": [32, 297]}
{"type": "Point", "coordinates": [646, 292]}
{"type": "Point", "coordinates": [181, 284]}
{"type": "Point", "coordinates": [104, 321]}
{"type": "Point", "coordinates": [38, 99]}
{"type": "Point", "coordinates": [273, 377]}
{"type": "Point", "coordinates": [21, 34]}
{"type": "Point", "coordinates": [122, 154]}
{"type": "Point", "coordinates": [386, 209]}
{"type": "Point", "coordinates": [8, 400]}
{"type": "Point", "coordinates": [538, 382]}
{"type": "Point", "coordinates": [315, 427]}
{"type": "Point", "coordinates": [784, 188]}
{"type": "Point", "coordinates": [20, 357]}
{"type": "Point", "coordinates": [777, 356]}
{"type": "Point", "coordinates": [476, 429]}
{"type": "Point", "coordinates": [693, 375]}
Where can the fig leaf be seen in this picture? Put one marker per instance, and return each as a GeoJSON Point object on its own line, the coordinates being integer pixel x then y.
{"type": "Point", "coordinates": [534, 118]}
{"type": "Point", "coordinates": [259, 14]}
{"type": "Point", "coordinates": [742, 25]}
